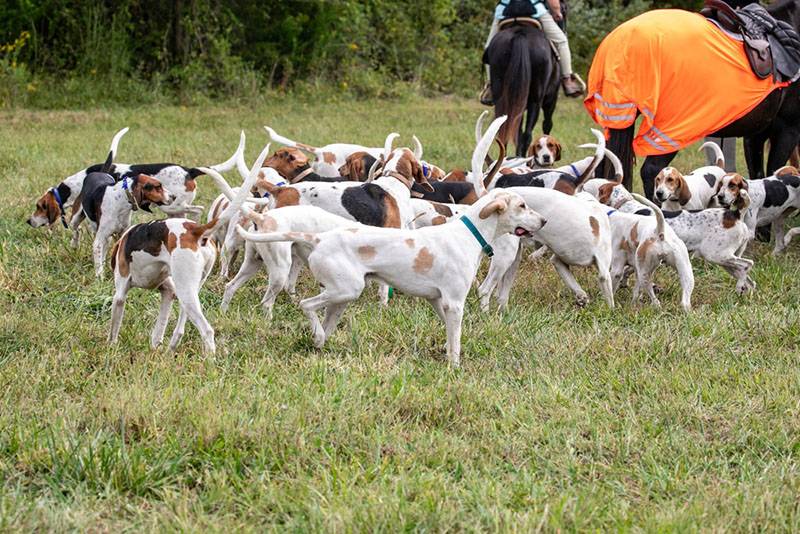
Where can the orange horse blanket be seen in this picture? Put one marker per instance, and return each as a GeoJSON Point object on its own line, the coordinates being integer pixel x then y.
{"type": "Point", "coordinates": [685, 76]}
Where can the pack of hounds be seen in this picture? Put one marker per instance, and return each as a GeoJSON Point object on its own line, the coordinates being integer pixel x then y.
{"type": "Point", "coordinates": [352, 214]}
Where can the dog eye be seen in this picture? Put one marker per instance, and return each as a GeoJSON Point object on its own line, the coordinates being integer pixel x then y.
{"type": "Point", "coordinates": [148, 187]}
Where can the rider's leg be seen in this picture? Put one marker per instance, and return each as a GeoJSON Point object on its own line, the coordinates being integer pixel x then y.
{"type": "Point", "coordinates": [573, 85]}
{"type": "Point", "coordinates": [486, 94]}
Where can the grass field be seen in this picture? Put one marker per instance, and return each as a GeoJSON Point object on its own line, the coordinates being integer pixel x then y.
{"type": "Point", "coordinates": [560, 419]}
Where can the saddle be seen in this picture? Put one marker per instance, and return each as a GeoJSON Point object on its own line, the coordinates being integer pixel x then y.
{"type": "Point", "coordinates": [525, 21]}
{"type": "Point", "coordinates": [756, 47]}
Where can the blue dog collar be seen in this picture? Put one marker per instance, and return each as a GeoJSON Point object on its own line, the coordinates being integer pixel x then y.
{"type": "Point", "coordinates": [426, 171]}
{"type": "Point", "coordinates": [279, 184]}
{"type": "Point", "coordinates": [60, 205]}
{"type": "Point", "coordinates": [610, 212]}
{"type": "Point", "coordinates": [575, 170]}
{"type": "Point", "coordinates": [486, 247]}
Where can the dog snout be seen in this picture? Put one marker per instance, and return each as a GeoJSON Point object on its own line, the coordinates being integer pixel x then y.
{"type": "Point", "coordinates": [544, 221]}
{"type": "Point", "coordinates": [30, 222]}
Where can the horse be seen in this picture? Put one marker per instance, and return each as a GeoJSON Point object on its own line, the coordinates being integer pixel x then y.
{"type": "Point", "coordinates": [776, 117]}
{"type": "Point", "coordinates": [525, 76]}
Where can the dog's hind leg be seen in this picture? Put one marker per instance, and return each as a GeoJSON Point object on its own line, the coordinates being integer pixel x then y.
{"type": "Point", "coordinates": [779, 232]}
{"type": "Point", "coordinates": [180, 328]}
{"type": "Point", "coordinates": [123, 285]}
{"type": "Point", "coordinates": [679, 259]}
{"type": "Point", "coordinates": [566, 275]}
{"type": "Point", "coordinates": [188, 280]}
{"type": "Point", "coordinates": [507, 281]}
{"type": "Point", "coordinates": [167, 290]}
{"type": "Point", "coordinates": [250, 267]}
{"type": "Point", "coordinates": [604, 279]}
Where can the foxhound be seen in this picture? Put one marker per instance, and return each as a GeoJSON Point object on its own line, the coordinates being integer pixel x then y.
{"type": "Point", "coordinates": [693, 191]}
{"type": "Point", "coordinates": [772, 199]}
{"type": "Point", "coordinates": [174, 256]}
{"type": "Point", "coordinates": [437, 263]}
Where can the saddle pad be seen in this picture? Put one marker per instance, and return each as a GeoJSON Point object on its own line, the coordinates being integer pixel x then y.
{"type": "Point", "coordinates": [680, 71]}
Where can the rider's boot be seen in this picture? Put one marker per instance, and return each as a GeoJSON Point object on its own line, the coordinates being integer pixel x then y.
{"type": "Point", "coordinates": [574, 87]}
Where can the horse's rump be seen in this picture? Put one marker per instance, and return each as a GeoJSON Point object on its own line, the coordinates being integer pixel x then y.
{"type": "Point", "coordinates": [680, 71]}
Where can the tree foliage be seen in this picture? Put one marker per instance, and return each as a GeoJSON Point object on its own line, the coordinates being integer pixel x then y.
{"type": "Point", "coordinates": [232, 47]}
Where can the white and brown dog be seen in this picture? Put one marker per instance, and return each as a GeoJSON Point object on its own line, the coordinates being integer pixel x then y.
{"type": "Point", "coordinates": [694, 191]}
{"type": "Point", "coordinates": [772, 199]}
{"type": "Point", "coordinates": [644, 242]}
{"type": "Point", "coordinates": [545, 151]}
{"type": "Point", "coordinates": [174, 256]}
{"type": "Point", "coordinates": [437, 263]}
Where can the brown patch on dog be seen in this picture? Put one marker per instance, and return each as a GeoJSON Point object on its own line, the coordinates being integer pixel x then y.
{"type": "Point", "coordinates": [190, 184]}
{"type": "Point", "coordinates": [423, 262]}
{"type": "Point", "coordinates": [268, 224]}
{"type": "Point", "coordinates": [391, 218]}
{"type": "Point", "coordinates": [47, 207]}
{"type": "Point", "coordinates": [624, 245]}
{"type": "Point", "coordinates": [456, 175]}
{"type": "Point", "coordinates": [147, 190]}
{"type": "Point", "coordinates": [410, 242]}
{"type": "Point", "coordinates": [604, 192]}
{"type": "Point", "coordinates": [367, 252]}
{"type": "Point", "coordinates": [564, 186]}
{"type": "Point", "coordinates": [219, 207]}
{"type": "Point", "coordinates": [470, 198]}
{"type": "Point", "coordinates": [441, 209]}
{"type": "Point", "coordinates": [729, 219]}
{"type": "Point", "coordinates": [286, 196]}
{"type": "Point", "coordinates": [436, 174]}
{"type": "Point", "coordinates": [787, 170]}
{"type": "Point", "coordinates": [644, 249]}
{"type": "Point", "coordinates": [505, 171]}
{"type": "Point", "coordinates": [436, 221]}
{"type": "Point", "coordinates": [595, 226]}
{"type": "Point", "coordinates": [289, 162]}
{"type": "Point", "coordinates": [172, 242]}
{"type": "Point", "coordinates": [118, 257]}
{"type": "Point", "coordinates": [635, 234]}
{"type": "Point", "coordinates": [736, 184]}
{"type": "Point", "coordinates": [329, 157]}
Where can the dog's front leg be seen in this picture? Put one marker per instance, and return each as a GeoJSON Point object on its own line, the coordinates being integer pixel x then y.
{"type": "Point", "coordinates": [566, 275]}
{"type": "Point", "coordinates": [454, 313]}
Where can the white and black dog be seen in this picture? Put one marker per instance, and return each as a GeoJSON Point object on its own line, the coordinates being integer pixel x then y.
{"type": "Point", "coordinates": [180, 181]}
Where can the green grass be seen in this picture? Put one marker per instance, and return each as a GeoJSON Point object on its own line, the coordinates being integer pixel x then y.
{"type": "Point", "coordinates": [561, 418]}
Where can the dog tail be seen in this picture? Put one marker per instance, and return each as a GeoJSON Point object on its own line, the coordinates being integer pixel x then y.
{"type": "Point", "coordinates": [387, 145]}
{"type": "Point", "coordinates": [229, 164]}
{"type": "Point", "coordinates": [305, 238]}
{"type": "Point", "coordinates": [288, 142]}
{"type": "Point", "coordinates": [720, 157]}
{"type": "Point", "coordinates": [417, 148]}
{"type": "Point", "coordinates": [479, 126]}
{"type": "Point", "coordinates": [656, 211]}
{"type": "Point", "coordinates": [236, 200]}
{"type": "Point", "coordinates": [618, 171]}
{"type": "Point", "coordinates": [599, 153]}
{"type": "Point", "coordinates": [112, 152]}
{"type": "Point", "coordinates": [481, 151]}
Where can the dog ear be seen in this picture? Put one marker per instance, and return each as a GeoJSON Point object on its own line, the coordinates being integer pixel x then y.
{"type": "Point", "coordinates": [419, 176]}
{"type": "Point", "coordinates": [557, 156]}
{"type": "Point", "coordinates": [53, 211]}
{"type": "Point", "coordinates": [532, 150]}
{"type": "Point", "coordinates": [684, 195]}
{"type": "Point", "coordinates": [605, 191]}
{"type": "Point", "coordinates": [498, 205]}
{"type": "Point", "coordinates": [742, 201]}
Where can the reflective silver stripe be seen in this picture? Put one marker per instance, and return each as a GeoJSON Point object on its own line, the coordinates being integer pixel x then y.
{"type": "Point", "coordinates": [619, 118]}
{"type": "Point", "coordinates": [649, 114]}
{"type": "Point", "coordinates": [666, 138]}
{"type": "Point", "coordinates": [653, 143]}
{"type": "Point", "coordinates": [613, 106]}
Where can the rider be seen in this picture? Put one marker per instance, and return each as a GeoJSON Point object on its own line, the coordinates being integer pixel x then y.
{"type": "Point", "coordinates": [572, 83]}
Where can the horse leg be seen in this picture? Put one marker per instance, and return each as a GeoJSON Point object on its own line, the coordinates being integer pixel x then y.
{"type": "Point", "coordinates": [549, 106]}
{"type": "Point", "coordinates": [651, 167]}
{"type": "Point", "coordinates": [620, 143]}
{"type": "Point", "coordinates": [781, 146]}
{"type": "Point", "coordinates": [526, 134]}
{"type": "Point", "coordinates": [754, 154]}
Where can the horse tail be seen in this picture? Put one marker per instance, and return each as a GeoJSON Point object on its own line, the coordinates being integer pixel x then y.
{"type": "Point", "coordinates": [516, 86]}
{"type": "Point", "coordinates": [620, 142]}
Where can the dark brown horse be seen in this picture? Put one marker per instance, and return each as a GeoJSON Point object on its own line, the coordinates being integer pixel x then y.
{"type": "Point", "coordinates": [776, 118]}
{"type": "Point", "coordinates": [525, 77]}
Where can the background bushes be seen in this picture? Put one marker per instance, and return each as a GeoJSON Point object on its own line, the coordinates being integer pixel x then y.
{"type": "Point", "coordinates": [61, 52]}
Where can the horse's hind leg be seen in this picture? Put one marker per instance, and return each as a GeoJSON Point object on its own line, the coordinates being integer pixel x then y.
{"type": "Point", "coordinates": [526, 134]}
{"type": "Point", "coordinates": [548, 108]}
{"type": "Point", "coordinates": [650, 169]}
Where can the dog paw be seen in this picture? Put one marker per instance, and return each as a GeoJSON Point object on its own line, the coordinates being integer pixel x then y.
{"type": "Point", "coordinates": [582, 300]}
